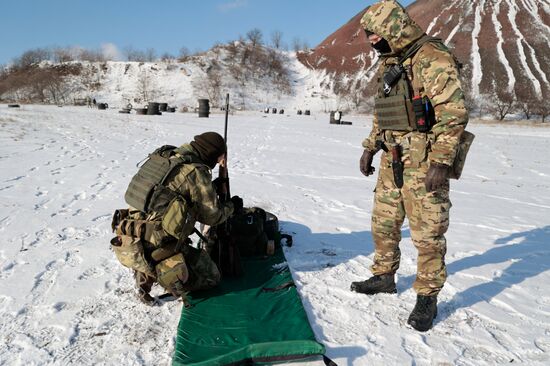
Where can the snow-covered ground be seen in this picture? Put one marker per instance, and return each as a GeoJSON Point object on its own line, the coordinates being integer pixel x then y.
{"type": "Point", "coordinates": [64, 299]}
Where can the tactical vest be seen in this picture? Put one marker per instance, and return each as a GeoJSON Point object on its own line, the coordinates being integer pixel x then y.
{"type": "Point", "coordinates": [147, 191]}
{"type": "Point", "coordinates": [395, 105]}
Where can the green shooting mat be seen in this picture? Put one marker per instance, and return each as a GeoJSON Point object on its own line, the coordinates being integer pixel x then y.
{"type": "Point", "coordinates": [258, 317]}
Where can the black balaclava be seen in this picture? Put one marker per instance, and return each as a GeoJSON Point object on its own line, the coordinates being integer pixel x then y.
{"type": "Point", "coordinates": [382, 47]}
{"type": "Point", "coordinates": [209, 146]}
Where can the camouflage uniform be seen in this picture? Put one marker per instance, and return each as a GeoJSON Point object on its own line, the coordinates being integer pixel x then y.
{"type": "Point", "coordinates": [193, 180]}
{"type": "Point", "coordinates": [432, 73]}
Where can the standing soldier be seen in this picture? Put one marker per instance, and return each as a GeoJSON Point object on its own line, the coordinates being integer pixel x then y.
{"type": "Point", "coordinates": [419, 120]}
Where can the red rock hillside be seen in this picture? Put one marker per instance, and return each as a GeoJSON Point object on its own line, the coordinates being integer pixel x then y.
{"type": "Point", "coordinates": [504, 45]}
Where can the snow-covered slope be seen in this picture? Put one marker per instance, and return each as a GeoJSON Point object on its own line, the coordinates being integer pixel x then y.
{"type": "Point", "coordinates": [65, 300]}
{"type": "Point", "coordinates": [182, 84]}
{"type": "Point", "coordinates": [174, 83]}
{"type": "Point", "coordinates": [257, 77]}
{"type": "Point", "coordinates": [504, 45]}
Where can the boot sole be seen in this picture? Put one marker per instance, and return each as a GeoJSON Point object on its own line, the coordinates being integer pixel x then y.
{"type": "Point", "coordinates": [394, 291]}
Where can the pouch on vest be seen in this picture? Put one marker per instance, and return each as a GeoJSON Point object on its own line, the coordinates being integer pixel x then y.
{"type": "Point", "coordinates": [394, 113]}
{"type": "Point", "coordinates": [178, 220]}
{"type": "Point", "coordinates": [130, 253]}
{"type": "Point", "coordinates": [186, 272]}
{"type": "Point", "coordinates": [466, 140]}
{"type": "Point", "coordinates": [150, 231]}
{"type": "Point", "coordinates": [173, 274]}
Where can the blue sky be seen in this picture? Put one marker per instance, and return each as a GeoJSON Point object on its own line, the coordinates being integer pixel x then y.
{"type": "Point", "coordinates": [165, 25]}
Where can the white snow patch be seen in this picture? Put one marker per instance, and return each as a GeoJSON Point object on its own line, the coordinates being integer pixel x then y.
{"type": "Point", "coordinates": [501, 55]}
{"type": "Point", "coordinates": [512, 14]}
{"type": "Point", "coordinates": [476, 56]}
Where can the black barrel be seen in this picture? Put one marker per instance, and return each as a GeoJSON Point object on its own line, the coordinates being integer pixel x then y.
{"type": "Point", "coordinates": [153, 109]}
{"type": "Point", "coordinates": [141, 111]}
{"type": "Point", "coordinates": [282, 111]}
{"type": "Point", "coordinates": [299, 112]}
{"type": "Point", "coordinates": [163, 107]}
{"type": "Point", "coordinates": [124, 110]}
{"type": "Point", "coordinates": [13, 105]}
{"type": "Point", "coordinates": [204, 108]}
{"type": "Point", "coordinates": [171, 109]}
{"type": "Point", "coordinates": [307, 112]}
{"type": "Point", "coordinates": [274, 110]}
{"type": "Point", "coordinates": [102, 106]}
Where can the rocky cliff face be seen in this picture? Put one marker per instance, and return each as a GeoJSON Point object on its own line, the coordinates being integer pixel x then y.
{"type": "Point", "coordinates": [503, 44]}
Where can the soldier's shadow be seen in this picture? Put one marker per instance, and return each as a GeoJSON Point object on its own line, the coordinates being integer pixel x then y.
{"type": "Point", "coordinates": [313, 251]}
{"type": "Point", "coordinates": [527, 252]}
{"type": "Point", "coordinates": [322, 249]}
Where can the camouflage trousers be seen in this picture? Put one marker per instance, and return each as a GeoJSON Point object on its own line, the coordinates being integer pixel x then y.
{"type": "Point", "coordinates": [428, 215]}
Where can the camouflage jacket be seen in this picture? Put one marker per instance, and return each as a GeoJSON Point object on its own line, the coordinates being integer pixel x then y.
{"type": "Point", "coordinates": [194, 180]}
{"type": "Point", "coordinates": [433, 73]}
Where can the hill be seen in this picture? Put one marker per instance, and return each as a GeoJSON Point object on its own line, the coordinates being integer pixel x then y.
{"type": "Point", "coordinates": [503, 45]}
{"type": "Point", "coordinates": [256, 76]}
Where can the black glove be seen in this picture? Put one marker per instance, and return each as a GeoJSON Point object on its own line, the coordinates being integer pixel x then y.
{"type": "Point", "coordinates": [365, 164]}
{"type": "Point", "coordinates": [237, 204]}
{"type": "Point", "coordinates": [437, 176]}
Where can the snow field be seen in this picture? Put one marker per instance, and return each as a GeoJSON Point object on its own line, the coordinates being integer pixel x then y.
{"type": "Point", "coordinates": [64, 298]}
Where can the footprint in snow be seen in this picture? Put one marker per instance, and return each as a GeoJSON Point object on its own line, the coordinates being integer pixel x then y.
{"type": "Point", "coordinates": [16, 178]}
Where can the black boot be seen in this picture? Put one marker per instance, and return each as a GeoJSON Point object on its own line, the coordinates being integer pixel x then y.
{"type": "Point", "coordinates": [376, 284]}
{"type": "Point", "coordinates": [424, 313]}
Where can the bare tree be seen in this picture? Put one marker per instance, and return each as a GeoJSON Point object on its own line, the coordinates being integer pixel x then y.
{"type": "Point", "coordinates": [91, 55]}
{"type": "Point", "coordinates": [134, 55]}
{"type": "Point", "coordinates": [150, 55]}
{"type": "Point", "coordinates": [255, 37]}
{"type": "Point", "coordinates": [167, 57]}
{"type": "Point", "coordinates": [32, 57]}
{"type": "Point", "coordinates": [542, 109]}
{"type": "Point", "coordinates": [184, 54]}
{"type": "Point", "coordinates": [277, 39]}
{"type": "Point", "coordinates": [146, 87]}
{"type": "Point", "coordinates": [527, 101]}
{"type": "Point", "coordinates": [296, 44]}
{"type": "Point", "coordinates": [502, 105]}
{"type": "Point", "coordinates": [61, 54]}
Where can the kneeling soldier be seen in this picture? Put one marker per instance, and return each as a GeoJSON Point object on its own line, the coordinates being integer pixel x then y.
{"type": "Point", "coordinates": [171, 192]}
